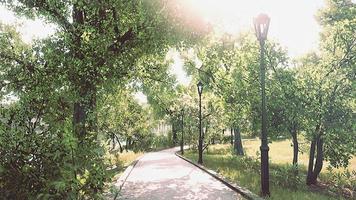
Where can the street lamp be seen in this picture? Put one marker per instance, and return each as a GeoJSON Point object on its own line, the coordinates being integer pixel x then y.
{"type": "Point", "coordinates": [200, 147]}
{"type": "Point", "coordinates": [261, 23]}
{"type": "Point", "coordinates": [182, 139]}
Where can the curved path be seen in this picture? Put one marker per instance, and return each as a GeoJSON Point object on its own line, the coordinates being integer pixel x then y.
{"type": "Point", "coordinates": [164, 176]}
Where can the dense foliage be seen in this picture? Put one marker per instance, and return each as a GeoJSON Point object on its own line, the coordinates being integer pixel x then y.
{"type": "Point", "coordinates": [73, 92]}
{"type": "Point", "coordinates": [50, 136]}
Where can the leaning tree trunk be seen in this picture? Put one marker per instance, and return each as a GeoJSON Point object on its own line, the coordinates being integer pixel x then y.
{"type": "Point", "coordinates": [121, 149]}
{"type": "Point", "coordinates": [314, 170]}
{"type": "Point", "coordinates": [118, 141]}
{"type": "Point", "coordinates": [238, 143]}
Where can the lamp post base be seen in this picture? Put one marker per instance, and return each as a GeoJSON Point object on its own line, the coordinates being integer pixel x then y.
{"type": "Point", "coordinates": [200, 149]}
{"type": "Point", "coordinates": [264, 171]}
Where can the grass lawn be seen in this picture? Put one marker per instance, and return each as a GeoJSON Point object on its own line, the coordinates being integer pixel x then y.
{"type": "Point", "coordinates": [245, 171]}
{"type": "Point", "coordinates": [282, 152]}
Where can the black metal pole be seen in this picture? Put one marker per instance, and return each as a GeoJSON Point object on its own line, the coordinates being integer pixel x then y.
{"type": "Point", "coordinates": [182, 139]}
{"type": "Point", "coordinates": [200, 148]}
{"type": "Point", "coordinates": [264, 143]}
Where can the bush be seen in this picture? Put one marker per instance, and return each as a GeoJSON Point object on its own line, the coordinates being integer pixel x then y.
{"type": "Point", "coordinates": [226, 139]}
{"type": "Point", "coordinates": [287, 176]}
{"type": "Point", "coordinates": [340, 180]}
{"type": "Point", "coordinates": [161, 142]}
{"type": "Point", "coordinates": [47, 162]}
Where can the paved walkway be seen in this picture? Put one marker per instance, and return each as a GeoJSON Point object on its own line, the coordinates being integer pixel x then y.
{"type": "Point", "coordinates": [164, 176]}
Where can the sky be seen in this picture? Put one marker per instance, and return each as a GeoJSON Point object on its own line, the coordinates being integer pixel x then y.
{"type": "Point", "coordinates": [293, 24]}
{"type": "Point", "coordinates": [29, 29]}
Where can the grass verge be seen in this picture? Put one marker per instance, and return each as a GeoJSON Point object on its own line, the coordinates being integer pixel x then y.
{"type": "Point", "coordinates": [245, 172]}
{"type": "Point", "coordinates": [281, 151]}
{"type": "Point", "coordinates": [120, 161]}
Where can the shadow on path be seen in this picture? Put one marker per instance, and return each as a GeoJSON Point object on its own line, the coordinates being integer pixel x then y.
{"type": "Point", "coordinates": [162, 175]}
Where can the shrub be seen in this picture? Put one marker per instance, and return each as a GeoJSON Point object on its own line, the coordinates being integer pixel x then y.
{"type": "Point", "coordinates": [161, 141]}
{"type": "Point", "coordinates": [340, 180]}
{"type": "Point", "coordinates": [287, 176]}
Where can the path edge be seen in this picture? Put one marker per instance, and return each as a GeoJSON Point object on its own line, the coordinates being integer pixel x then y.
{"type": "Point", "coordinates": [121, 181]}
{"type": "Point", "coordinates": [241, 190]}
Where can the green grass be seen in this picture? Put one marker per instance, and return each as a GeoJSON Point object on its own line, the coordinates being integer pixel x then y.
{"type": "Point", "coordinates": [282, 152]}
{"type": "Point", "coordinates": [245, 172]}
{"type": "Point", "coordinates": [120, 161]}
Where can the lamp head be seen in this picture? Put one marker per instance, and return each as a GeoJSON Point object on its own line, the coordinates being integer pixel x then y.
{"type": "Point", "coordinates": [200, 87]}
{"type": "Point", "coordinates": [261, 23]}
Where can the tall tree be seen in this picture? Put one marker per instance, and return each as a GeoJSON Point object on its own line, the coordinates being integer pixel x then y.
{"type": "Point", "coordinates": [97, 44]}
{"type": "Point", "coordinates": [286, 107]}
{"type": "Point", "coordinates": [329, 92]}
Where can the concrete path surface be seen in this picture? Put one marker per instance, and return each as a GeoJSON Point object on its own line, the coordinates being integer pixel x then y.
{"type": "Point", "coordinates": [163, 176]}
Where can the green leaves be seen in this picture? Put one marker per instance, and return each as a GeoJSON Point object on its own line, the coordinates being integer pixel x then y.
{"type": "Point", "coordinates": [62, 83]}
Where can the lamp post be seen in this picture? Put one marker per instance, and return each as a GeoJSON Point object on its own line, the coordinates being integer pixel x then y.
{"type": "Point", "coordinates": [182, 139]}
{"type": "Point", "coordinates": [200, 145]}
{"type": "Point", "coordinates": [261, 23]}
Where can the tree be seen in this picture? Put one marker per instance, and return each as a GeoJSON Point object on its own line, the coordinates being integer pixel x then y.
{"type": "Point", "coordinates": [230, 70]}
{"type": "Point", "coordinates": [97, 45]}
{"type": "Point", "coordinates": [286, 107]}
{"type": "Point", "coordinates": [124, 121]}
{"type": "Point", "coordinates": [329, 92]}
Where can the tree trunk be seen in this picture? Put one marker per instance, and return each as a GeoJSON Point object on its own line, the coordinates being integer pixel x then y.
{"type": "Point", "coordinates": [238, 143]}
{"type": "Point", "coordinates": [113, 141]}
{"type": "Point", "coordinates": [231, 136]}
{"type": "Point", "coordinates": [127, 144]}
{"type": "Point", "coordinates": [118, 141]}
{"type": "Point", "coordinates": [174, 133]}
{"type": "Point", "coordinates": [79, 112]}
{"type": "Point", "coordinates": [223, 134]}
{"type": "Point", "coordinates": [121, 149]}
{"type": "Point", "coordinates": [84, 116]}
{"type": "Point", "coordinates": [79, 118]}
{"type": "Point", "coordinates": [293, 132]}
{"type": "Point", "coordinates": [314, 170]}
{"type": "Point", "coordinates": [319, 160]}
{"type": "Point", "coordinates": [206, 130]}
{"type": "Point", "coordinates": [311, 162]}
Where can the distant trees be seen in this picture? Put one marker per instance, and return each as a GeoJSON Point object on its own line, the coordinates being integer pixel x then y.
{"type": "Point", "coordinates": [230, 71]}
{"type": "Point", "coordinates": [125, 122]}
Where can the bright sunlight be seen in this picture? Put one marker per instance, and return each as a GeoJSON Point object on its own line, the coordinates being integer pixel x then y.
{"type": "Point", "coordinates": [177, 99]}
{"type": "Point", "coordinates": [289, 19]}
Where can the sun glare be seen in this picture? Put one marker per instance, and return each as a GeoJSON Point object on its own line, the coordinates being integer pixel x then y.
{"type": "Point", "coordinates": [289, 18]}
{"type": "Point", "coordinates": [227, 14]}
